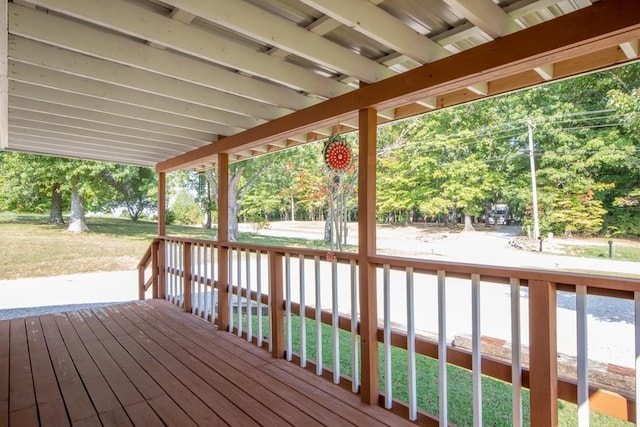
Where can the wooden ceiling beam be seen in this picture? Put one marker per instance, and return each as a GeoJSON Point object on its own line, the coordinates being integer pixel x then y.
{"type": "Point", "coordinates": [605, 24]}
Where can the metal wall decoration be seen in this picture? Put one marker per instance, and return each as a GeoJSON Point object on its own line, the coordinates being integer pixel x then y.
{"type": "Point", "coordinates": [338, 155]}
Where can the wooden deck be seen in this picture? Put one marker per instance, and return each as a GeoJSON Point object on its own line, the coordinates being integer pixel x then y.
{"type": "Point", "coordinates": [148, 363]}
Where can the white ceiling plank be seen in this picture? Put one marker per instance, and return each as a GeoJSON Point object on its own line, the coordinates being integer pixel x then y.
{"type": "Point", "coordinates": [25, 3]}
{"type": "Point", "coordinates": [71, 140]}
{"type": "Point", "coordinates": [81, 123]}
{"type": "Point", "coordinates": [387, 114]}
{"type": "Point", "coordinates": [320, 26]}
{"type": "Point", "coordinates": [101, 105]}
{"type": "Point", "coordinates": [43, 146]}
{"type": "Point", "coordinates": [486, 15]}
{"type": "Point", "coordinates": [182, 16]}
{"type": "Point", "coordinates": [526, 7]}
{"type": "Point", "coordinates": [271, 29]}
{"type": "Point", "coordinates": [27, 127]}
{"type": "Point", "coordinates": [63, 33]}
{"type": "Point", "coordinates": [120, 15]}
{"type": "Point", "coordinates": [368, 19]}
{"type": "Point", "coordinates": [105, 118]}
{"type": "Point", "coordinates": [36, 53]}
{"type": "Point", "coordinates": [27, 73]}
{"type": "Point", "coordinates": [456, 34]}
{"type": "Point", "coordinates": [430, 102]}
{"type": "Point", "coordinates": [546, 71]}
{"type": "Point", "coordinates": [481, 89]}
{"type": "Point", "coordinates": [4, 81]}
{"type": "Point", "coordinates": [323, 25]}
{"type": "Point", "coordinates": [630, 49]}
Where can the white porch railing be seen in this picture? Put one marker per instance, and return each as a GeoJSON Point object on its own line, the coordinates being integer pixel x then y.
{"type": "Point", "coordinates": [280, 298]}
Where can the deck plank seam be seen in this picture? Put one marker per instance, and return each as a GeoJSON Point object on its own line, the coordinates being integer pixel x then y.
{"type": "Point", "coordinates": [153, 330]}
{"type": "Point", "coordinates": [144, 342]}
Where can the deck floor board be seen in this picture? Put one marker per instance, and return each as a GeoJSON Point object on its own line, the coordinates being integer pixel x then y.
{"type": "Point", "coordinates": [4, 374]}
{"type": "Point", "coordinates": [150, 364]}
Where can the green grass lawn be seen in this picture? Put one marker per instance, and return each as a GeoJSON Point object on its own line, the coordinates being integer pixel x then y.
{"type": "Point", "coordinates": [620, 252]}
{"type": "Point", "coordinates": [30, 247]}
{"type": "Point", "coordinates": [496, 394]}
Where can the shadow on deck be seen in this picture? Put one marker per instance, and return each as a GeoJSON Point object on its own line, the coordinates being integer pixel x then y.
{"type": "Point", "coordinates": [148, 363]}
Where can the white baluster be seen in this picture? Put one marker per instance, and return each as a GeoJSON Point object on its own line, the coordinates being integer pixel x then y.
{"type": "Point", "coordinates": [476, 350]}
{"type": "Point", "coordinates": [335, 321]}
{"type": "Point", "coordinates": [288, 306]}
{"type": "Point", "coordinates": [442, 349]}
{"type": "Point", "coordinates": [355, 357]}
{"type": "Point", "coordinates": [259, 291]}
{"type": "Point", "coordinates": [319, 363]}
{"type": "Point", "coordinates": [411, 347]}
{"type": "Point", "coordinates": [583, 364]}
{"type": "Point", "coordinates": [388, 392]}
{"type": "Point", "coordinates": [303, 317]}
{"type": "Point", "coordinates": [516, 357]}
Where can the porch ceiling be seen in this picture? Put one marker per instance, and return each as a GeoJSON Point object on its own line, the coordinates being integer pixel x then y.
{"type": "Point", "coordinates": [146, 81]}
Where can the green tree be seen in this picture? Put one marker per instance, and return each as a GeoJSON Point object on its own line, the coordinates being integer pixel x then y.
{"type": "Point", "coordinates": [135, 188]}
{"type": "Point", "coordinates": [243, 176]}
{"type": "Point", "coordinates": [30, 183]}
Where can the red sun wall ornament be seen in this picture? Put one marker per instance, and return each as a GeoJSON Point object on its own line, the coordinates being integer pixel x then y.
{"type": "Point", "coordinates": [338, 156]}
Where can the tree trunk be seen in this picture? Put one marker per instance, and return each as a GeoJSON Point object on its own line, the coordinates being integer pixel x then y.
{"type": "Point", "coordinates": [55, 215]}
{"type": "Point", "coordinates": [487, 213]}
{"type": "Point", "coordinates": [77, 222]}
{"type": "Point", "coordinates": [293, 209]}
{"type": "Point", "coordinates": [468, 225]}
{"type": "Point", "coordinates": [207, 207]}
{"type": "Point", "coordinates": [233, 210]}
{"type": "Point", "coordinates": [328, 229]}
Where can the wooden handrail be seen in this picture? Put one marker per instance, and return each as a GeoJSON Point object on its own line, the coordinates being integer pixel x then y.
{"type": "Point", "coordinates": [142, 266]}
{"type": "Point", "coordinates": [598, 284]}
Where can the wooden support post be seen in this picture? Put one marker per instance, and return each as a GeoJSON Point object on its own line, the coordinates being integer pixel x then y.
{"type": "Point", "coordinates": [367, 248]}
{"type": "Point", "coordinates": [161, 272]}
{"type": "Point", "coordinates": [155, 283]}
{"type": "Point", "coordinates": [162, 204]}
{"type": "Point", "coordinates": [187, 276]}
{"type": "Point", "coordinates": [141, 282]}
{"type": "Point", "coordinates": [223, 237]}
{"type": "Point", "coordinates": [162, 231]}
{"type": "Point", "coordinates": [277, 304]}
{"type": "Point", "coordinates": [543, 353]}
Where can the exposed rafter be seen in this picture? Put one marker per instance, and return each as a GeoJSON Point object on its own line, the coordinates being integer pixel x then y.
{"type": "Point", "coordinates": [369, 19]}
{"type": "Point", "coordinates": [42, 55]}
{"type": "Point", "coordinates": [141, 23]}
{"type": "Point", "coordinates": [255, 22]}
{"type": "Point", "coordinates": [77, 37]}
{"type": "Point", "coordinates": [486, 15]}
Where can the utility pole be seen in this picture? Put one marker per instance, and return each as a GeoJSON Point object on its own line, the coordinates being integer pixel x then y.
{"type": "Point", "coordinates": [534, 191]}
